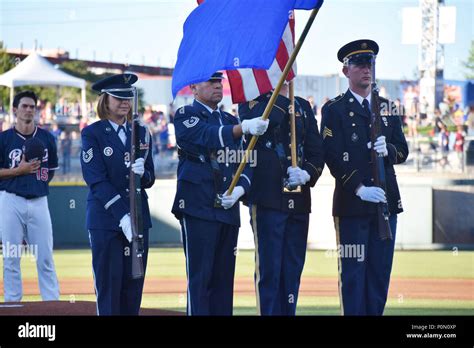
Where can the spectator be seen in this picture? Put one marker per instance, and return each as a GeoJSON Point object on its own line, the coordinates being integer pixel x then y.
{"type": "Point", "coordinates": [444, 108]}
{"type": "Point", "coordinates": [437, 120]}
{"type": "Point", "coordinates": [66, 147]}
{"type": "Point", "coordinates": [457, 115]}
{"type": "Point", "coordinates": [163, 134]}
{"type": "Point", "coordinates": [459, 145]}
{"type": "Point", "coordinates": [423, 108]}
{"type": "Point", "coordinates": [314, 107]}
{"type": "Point", "coordinates": [470, 121]}
{"type": "Point", "coordinates": [148, 114]}
{"type": "Point", "coordinates": [83, 123]}
{"type": "Point", "coordinates": [444, 144]}
{"type": "Point", "coordinates": [56, 132]}
{"type": "Point", "coordinates": [171, 112]}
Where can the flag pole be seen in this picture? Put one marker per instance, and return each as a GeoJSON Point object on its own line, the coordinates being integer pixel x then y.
{"type": "Point", "coordinates": [292, 123]}
{"type": "Point", "coordinates": [274, 96]}
{"type": "Point", "coordinates": [294, 158]}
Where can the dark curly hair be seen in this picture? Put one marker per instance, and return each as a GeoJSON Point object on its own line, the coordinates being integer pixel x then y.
{"type": "Point", "coordinates": [24, 94]}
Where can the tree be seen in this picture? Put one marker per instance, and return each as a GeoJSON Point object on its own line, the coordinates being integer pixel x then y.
{"type": "Point", "coordinates": [6, 63]}
{"type": "Point", "coordinates": [470, 63]}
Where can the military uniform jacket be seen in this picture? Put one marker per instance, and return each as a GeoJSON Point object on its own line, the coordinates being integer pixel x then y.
{"type": "Point", "coordinates": [346, 131]}
{"type": "Point", "coordinates": [200, 134]}
{"type": "Point", "coordinates": [106, 165]}
{"type": "Point", "coordinates": [268, 175]}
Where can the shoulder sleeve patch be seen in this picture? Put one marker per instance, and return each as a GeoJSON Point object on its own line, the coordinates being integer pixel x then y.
{"type": "Point", "coordinates": [191, 122]}
{"type": "Point", "coordinates": [87, 155]}
{"type": "Point", "coordinates": [327, 132]}
{"type": "Point", "coordinates": [252, 103]}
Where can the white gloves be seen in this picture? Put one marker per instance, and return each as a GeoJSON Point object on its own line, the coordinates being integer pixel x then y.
{"type": "Point", "coordinates": [371, 194]}
{"type": "Point", "coordinates": [255, 126]}
{"type": "Point", "coordinates": [139, 167]}
{"type": "Point", "coordinates": [380, 146]}
{"type": "Point", "coordinates": [229, 201]}
{"type": "Point", "coordinates": [297, 176]}
{"type": "Point", "coordinates": [126, 226]}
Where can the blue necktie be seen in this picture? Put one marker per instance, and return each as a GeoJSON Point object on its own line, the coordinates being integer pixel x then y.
{"type": "Point", "coordinates": [122, 128]}
{"type": "Point", "coordinates": [217, 115]}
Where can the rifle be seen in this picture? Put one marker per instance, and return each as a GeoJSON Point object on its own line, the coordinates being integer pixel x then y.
{"type": "Point", "coordinates": [378, 168]}
{"type": "Point", "coordinates": [138, 246]}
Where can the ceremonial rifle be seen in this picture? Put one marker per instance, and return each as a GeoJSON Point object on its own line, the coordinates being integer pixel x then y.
{"type": "Point", "coordinates": [377, 160]}
{"type": "Point", "coordinates": [138, 245]}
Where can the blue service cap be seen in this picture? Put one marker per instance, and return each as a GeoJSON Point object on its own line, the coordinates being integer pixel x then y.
{"type": "Point", "coordinates": [217, 76]}
{"type": "Point", "coordinates": [33, 148]}
{"type": "Point", "coordinates": [118, 86]}
{"type": "Point", "coordinates": [358, 52]}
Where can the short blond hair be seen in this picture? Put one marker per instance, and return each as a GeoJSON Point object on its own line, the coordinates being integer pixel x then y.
{"type": "Point", "coordinates": [103, 109]}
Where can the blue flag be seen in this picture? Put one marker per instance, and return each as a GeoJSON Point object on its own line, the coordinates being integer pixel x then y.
{"type": "Point", "coordinates": [232, 34]}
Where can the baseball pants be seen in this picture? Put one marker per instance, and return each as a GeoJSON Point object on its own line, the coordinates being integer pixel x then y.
{"type": "Point", "coordinates": [29, 220]}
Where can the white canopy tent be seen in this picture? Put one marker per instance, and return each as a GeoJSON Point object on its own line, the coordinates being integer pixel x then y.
{"type": "Point", "coordinates": [37, 70]}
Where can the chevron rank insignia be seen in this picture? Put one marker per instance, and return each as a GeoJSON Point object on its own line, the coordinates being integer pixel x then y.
{"type": "Point", "coordinates": [252, 103]}
{"type": "Point", "coordinates": [191, 122]}
{"type": "Point", "coordinates": [87, 156]}
{"type": "Point", "coordinates": [327, 132]}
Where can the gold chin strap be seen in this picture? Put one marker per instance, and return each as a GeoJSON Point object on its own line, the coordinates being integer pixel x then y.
{"type": "Point", "coordinates": [357, 52]}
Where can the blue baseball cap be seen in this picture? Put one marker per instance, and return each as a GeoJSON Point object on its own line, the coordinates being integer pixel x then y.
{"type": "Point", "coordinates": [33, 148]}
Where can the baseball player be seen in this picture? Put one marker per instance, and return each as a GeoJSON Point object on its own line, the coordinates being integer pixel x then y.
{"type": "Point", "coordinates": [28, 159]}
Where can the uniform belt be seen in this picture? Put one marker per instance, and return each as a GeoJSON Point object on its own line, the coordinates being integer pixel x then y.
{"type": "Point", "coordinates": [193, 157]}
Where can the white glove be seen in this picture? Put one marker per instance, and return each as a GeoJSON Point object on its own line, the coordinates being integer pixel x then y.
{"type": "Point", "coordinates": [126, 226]}
{"type": "Point", "coordinates": [297, 176]}
{"type": "Point", "coordinates": [371, 194]}
{"type": "Point", "coordinates": [229, 201]}
{"type": "Point", "coordinates": [255, 126]}
{"type": "Point", "coordinates": [380, 146]}
{"type": "Point", "coordinates": [139, 167]}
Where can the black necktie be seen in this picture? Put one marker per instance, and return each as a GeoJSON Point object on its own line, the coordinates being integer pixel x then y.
{"type": "Point", "coordinates": [366, 106]}
{"type": "Point", "coordinates": [121, 128]}
{"type": "Point", "coordinates": [217, 115]}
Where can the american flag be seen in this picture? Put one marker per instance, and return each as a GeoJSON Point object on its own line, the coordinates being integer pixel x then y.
{"type": "Point", "coordinates": [247, 84]}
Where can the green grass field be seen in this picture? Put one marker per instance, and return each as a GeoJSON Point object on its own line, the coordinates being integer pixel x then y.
{"type": "Point", "coordinates": [169, 263]}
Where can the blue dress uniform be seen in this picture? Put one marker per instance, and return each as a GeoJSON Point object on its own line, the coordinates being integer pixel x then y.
{"type": "Point", "coordinates": [209, 233]}
{"type": "Point", "coordinates": [105, 162]}
{"type": "Point", "coordinates": [279, 219]}
{"type": "Point", "coordinates": [363, 278]}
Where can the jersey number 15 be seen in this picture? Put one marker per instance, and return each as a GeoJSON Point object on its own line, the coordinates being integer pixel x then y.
{"type": "Point", "coordinates": [42, 174]}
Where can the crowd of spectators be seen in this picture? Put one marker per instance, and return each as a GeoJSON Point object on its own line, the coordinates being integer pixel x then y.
{"type": "Point", "coordinates": [447, 128]}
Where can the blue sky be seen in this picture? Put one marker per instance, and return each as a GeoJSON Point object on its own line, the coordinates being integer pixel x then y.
{"type": "Point", "coordinates": [150, 32]}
